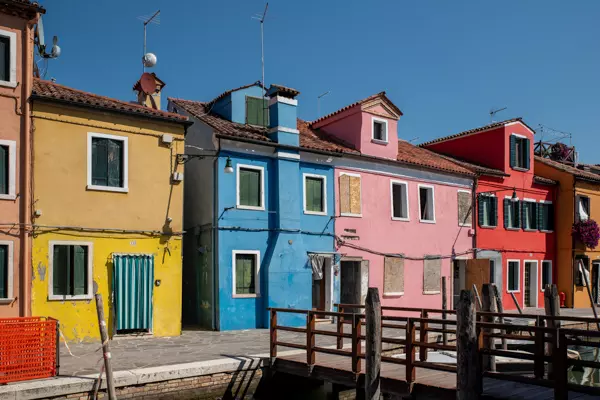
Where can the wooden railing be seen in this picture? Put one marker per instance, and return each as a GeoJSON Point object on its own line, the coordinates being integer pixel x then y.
{"type": "Point", "coordinates": [550, 344]}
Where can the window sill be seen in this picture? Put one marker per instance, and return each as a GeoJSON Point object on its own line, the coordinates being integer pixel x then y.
{"type": "Point", "coordinates": [10, 84]}
{"type": "Point", "coordinates": [514, 291]}
{"type": "Point", "coordinates": [529, 230]}
{"type": "Point", "coordinates": [396, 294]}
{"type": "Point", "coordinates": [7, 301]}
{"type": "Point", "coordinates": [251, 208]}
{"type": "Point", "coordinates": [107, 189]}
{"type": "Point", "coordinates": [513, 229]}
{"type": "Point", "coordinates": [245, 296]}
{"type": "Point", "coordinates": [466, 225]}
{"type": "Point", "coordinates": [8, 196]}
{"type": "Point", "coordinates": [380, 142]}
{"type": "Point", "coordinates": [487, 227]}
{"type": "Point", "coordinates": [521, 169]}
{"type": "Point", "coordinates": [545, 231]}
{"type": "Point", "coordinates": [400, 219]}
{"type": "Point", "coordinates": [315, 212]}
{"type": "Point", "coordinates": [54, 297]}
{"type": "Point", "coordinates": [427, 221]}
{"type": "Point", "coordinates": [351, 215]}
{"type": "Point", "coordinates": [432, 292]}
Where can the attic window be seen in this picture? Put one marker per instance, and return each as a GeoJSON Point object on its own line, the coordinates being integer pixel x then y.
{"type": "Point", "coordinates": [257, 111]}
{"type": "Point", "coordinates": [379, 128]}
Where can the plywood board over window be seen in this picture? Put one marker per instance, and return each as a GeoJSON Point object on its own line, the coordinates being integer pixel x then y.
{"type": "Point", "coordinates": [350, 195]}
{"type": "Point", "coordinates": [465, 214]}
{"type": "Point", "coordinates": [432, 275]}
{"type": "Point", "coordinates": [393, 276]}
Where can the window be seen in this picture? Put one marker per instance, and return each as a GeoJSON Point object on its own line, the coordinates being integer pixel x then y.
{"type": "Point", "coordinates": [350, 195]}
{"type": "Point", "coordinates": [488, 211]}
{"type": "Point", "coordinates": [8, 168]}
{"type": "Point", "coordinates": [465, 202]}
{"type": "Point", "coordinates": [529, 211]}
{"type": "Point", "coordinates": [71, 270]}
{"type": "Point", "coordinates": [257, 111]}
{"type": "Point", "coordinates": [399, 200]}
{"type": "Point", "coordinates": [519, 152]}
{"type": "Point", "coordinates": [393, 276]}
{"type": "Point", "coordinates": [107, 162]}
{"type": "Point", "coordinates": [546, 274]}
{"type": "Point", "coordinates": [315, 196]}
{"type": "Point", "coordinates": [581, 262]}
{"type": "Point", "coordinates": [582, 211]}
{"type": "Point", "coordinates": [246, 278]}
{"type": "Point", "coordinates": [492, 271]}
{"type": "Point", "coordinates": [512, 213]}
{"type": "Point", "coordinates": [514, 277]}
{"type": "Point", "coordinates": [8, 58]}
{"type": "Point", "coordinates": [432, 275]}
{"type": "Point", "coordinates": [380, 133]}
{"type": "Point", "coordinates": [426, 204]}
{"type": "Point", "coordinates": [545, 216]}
{"type": "Point", "coordinates": [250, 187]}
{"type": "Point", "coordinates": [6, 270]}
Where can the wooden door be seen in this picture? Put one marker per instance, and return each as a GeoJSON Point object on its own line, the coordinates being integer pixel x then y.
{"type": "Point", "coordinates": [350, 283]}
{"type": "Point", "coordinates": [477, 273]}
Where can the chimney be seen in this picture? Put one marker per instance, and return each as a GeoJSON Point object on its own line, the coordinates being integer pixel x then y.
{"type": "Point", "coordinates": [283, 114]}
{"type": "Point", "coordinates": [148, 89]}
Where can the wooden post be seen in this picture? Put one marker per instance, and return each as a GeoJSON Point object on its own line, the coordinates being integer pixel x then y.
{"type": "Point", "coordinates": [273, 336]}
{"type": "Point", "coordinates": [552, 308]}
{"type": "Point", "coordinates": [410, 351]}
{"type": "Point", "coordinates": [110, 383]}
{"type": "Point", "coordinates": [423, 336]}
{"type": "Point", "coordinates": [444, 308]}
{"type": "Point", "coordinates": [589, 291]}
{"type": "Point", "coordinates": [340, 329]}
{"type": "Point", "coordinates": [477, 296]}
{"type": "Point", "coordinates": [538, 363]}
{"type": "Point", "coordinates": [373, 345]}
{"type": "Point", "coordinates": [468, 376]}
{"type": "Point", "coordinates": [500, 308]}
{"type": "Point", "coordinates": [356, 333]}
{"type": "Point", "coordinates": [310, 338]}
{"type": "Point", "coordinates": [489, 305]}
{"type": "Point", "coordinates": [560, 361]}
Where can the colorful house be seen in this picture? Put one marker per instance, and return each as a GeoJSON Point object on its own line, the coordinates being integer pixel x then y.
{"type": "Point", "coordinates": [17, 19]}
{"type": "Point", "coordinates": [514, 233]}
{"type": "Point", "coordinates": [108, 199]}
{"type": "Point", "coordinates": [578, 200]}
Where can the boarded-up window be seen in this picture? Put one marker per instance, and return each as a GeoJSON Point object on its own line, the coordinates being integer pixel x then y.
{"type": "Point", "coordinates": [393, 276]}
{"type": "Point", "coordinates": [350, 196]}
{"type": "Point", "coordinates": [432, 275]}
{"type": "Point", "coordinates": [465, 214]}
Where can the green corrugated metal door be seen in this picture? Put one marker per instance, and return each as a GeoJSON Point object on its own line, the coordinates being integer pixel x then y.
{"type": "Point", "coordinates": [132, 285]}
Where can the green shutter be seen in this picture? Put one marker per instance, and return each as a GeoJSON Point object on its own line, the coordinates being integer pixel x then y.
{"type": "Point", "coordinates": [541, 221]}
{"type": "Point", "coordinates": [494, 201]}
{"type": "Point", "coordinates": [3, 272]}
{"type": "Point", "coordinates": [550, 217]}
{"type": "Point", "coordinates": [480, 210]}
{"type": "Point", "coordinates": [513, 151]}
{"type": "Point", "coordinates": [250, 187]}
{"type": "Point", "coordinates": [314, 194]}
{"type": "Point", "coordinates": [527, 161]}
{"type": "Point", "coordinates": [79, 266]}
{"type": "Point", "coordinates": [523, 211]}
{"type": "Point", "coordinates": [99, 162]}
{"type": "Point", "coordinates": [256, 111]}
{"type": "Point", "coordinates": [506, 207]}
{"type": "Point", "coordinates": [60, 270]}
{"type": "Point", "coordinates": [3, 169]}
{"type": "Point", "coordinates": [115, 163]}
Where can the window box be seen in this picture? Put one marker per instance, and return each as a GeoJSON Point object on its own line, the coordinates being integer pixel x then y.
{"type": "Point", "coordinates": [546, 274]}
{"type": "Point", "coordinates": [465, 208]}
{"type": "Point", "coordinates": [529, 215]}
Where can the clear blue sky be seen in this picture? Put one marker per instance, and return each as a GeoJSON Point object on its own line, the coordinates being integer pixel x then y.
{"type": "Point", "coordinates": [444, 63]}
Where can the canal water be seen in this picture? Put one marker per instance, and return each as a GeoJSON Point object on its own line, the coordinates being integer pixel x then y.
{"type": "Point", "coordinates": [585, 376]}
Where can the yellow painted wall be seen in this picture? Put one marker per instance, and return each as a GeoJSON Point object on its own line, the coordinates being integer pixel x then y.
{"type": "Point", "coordinates": [60, 193]}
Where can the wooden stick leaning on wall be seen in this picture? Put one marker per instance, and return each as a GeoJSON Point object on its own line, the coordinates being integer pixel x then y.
{"type": "Point", "coordinates": [500, 308]}
{"type": "Point", "coordinates": [110, 383]}
{"type": "Point", "coordinates": [444, 308]}
{"type": "Point", "coordinates": [519, 308]}
{"type": "Point", "coordinates": [477, 297]}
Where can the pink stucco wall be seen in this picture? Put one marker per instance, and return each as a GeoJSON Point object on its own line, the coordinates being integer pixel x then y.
{"type": "Point", "coordinates": [344, 125]}
{"type": "Point", "coordinates": [372, 147]}
{"type": "Point", "coordinates": [377, 231]}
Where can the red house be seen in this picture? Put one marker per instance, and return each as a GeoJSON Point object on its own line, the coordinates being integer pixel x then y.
{"type": "Point", "coordinates": [514, 228]}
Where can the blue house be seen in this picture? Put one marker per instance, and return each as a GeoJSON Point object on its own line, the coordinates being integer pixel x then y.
{"type": "Point", "coordinates": [258, 210]}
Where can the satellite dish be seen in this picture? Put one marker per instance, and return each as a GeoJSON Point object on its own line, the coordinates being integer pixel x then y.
{"type": "Point", "coordinates": [55, 48]}
{"type": "Point", "coordinates": [40, 36]}
{"type": "Point", "coordinates": [148, 83]}
{"type": "Point", "coordinates": [149, 60]}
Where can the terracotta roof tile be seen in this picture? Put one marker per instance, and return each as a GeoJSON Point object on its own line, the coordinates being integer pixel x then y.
{"type": "Point", "coordinates": [479, 169]}
{"type": "Point", "coordinates": [576, 172]}
{"type": "Point", "coordinates": [51, 91]}
{"type": "Point", "coordinates": [411, 154]}
{"type": "Point", "coordinates": [349, 106]}
{"type": "Point", "coordinates": [25, 4]}
{"type": "Point", "coordinates": [544, 181]}
{"type": "Point", "coordinates": [225, 93]}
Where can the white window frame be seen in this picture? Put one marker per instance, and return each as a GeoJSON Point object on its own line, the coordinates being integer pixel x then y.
{"type": "Point", "coordinates": [12, 39]}
{"type": "Point", "coordinates": [482, 225]}
{"type": "Point", "coordinates": [526, 200]}
{"type": "Point", "coordinates": [516, 168]}
{"type": "Point", "coordinates": [90, 270]}
{"type": "Point", "coordinates": [352, 214]}
{"type": "Point", "coordinates": [460, 223]}
{"type": "Point", "coordinates": [537, 282]}
{"type": "Point", "coordinates": [385, 130]}
{"type": "Point", "coordinates": [256, 254]}
{"type": "Point", "coordinates": [538, 214]}
{"type": "Point", "coordinates": [324, 179]}
{"type": "Point", "coordinates": [12, 169]}
{"type": "Point", "coordinates": [426, 221]}
{"type": "Point", "coordinates": [124, 139]}
{"type": "Point", "coordinates": [542, 274]}
{"type": "Point", "coordinates": [508, 276]}
{"type": "Point", "coordinates": [405, 184]}
{"type": "Point", "coordinates": [259, 168]}
{"type": "Point", "coordinates": [9, 276]}
{"type": "Point", "coordinates": [577, 200]}
{"type": "Point", "coordinates": [515, 200]}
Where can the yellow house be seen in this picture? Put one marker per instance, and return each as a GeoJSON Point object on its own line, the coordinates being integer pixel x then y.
{"type": "Point", "coordinates": [578, 198]}
{"type": "Point", "coordinates": [107, 213]}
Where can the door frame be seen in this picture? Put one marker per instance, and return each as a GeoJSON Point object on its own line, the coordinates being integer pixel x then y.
{"type": "Point", "coordinates": [535, 289]}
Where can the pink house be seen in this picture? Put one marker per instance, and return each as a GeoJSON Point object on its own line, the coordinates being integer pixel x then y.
{"type": "Point", "coordinates": [403, 213]}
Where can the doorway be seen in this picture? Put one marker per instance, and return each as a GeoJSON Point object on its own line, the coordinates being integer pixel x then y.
{"type": "Point", "coordinates": [531, 284]}
{"type": "Point", "coordinates": [458, 280]}
{"type": "Point", "coordinates": [322, 286]}
{"type": "Point", "coordinates": [350, 283]}
{"type": "Point", "coordinates": [133, 284]}
{"type": "Point", "coordinates": [595, 282]}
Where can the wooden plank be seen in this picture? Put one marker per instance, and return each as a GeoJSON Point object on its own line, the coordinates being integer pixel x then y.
{"type": "Point", "coordinates": [489, 305]}
{"type": "Point", "coordinates": [468, 382]}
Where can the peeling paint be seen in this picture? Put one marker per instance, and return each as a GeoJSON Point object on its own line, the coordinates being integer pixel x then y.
{"type": "Point", "coordinates": [41, 268]}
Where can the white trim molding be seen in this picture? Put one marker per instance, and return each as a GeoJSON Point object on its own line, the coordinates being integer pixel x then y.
{"type": "Point", "coordinates": [324, 194]}
{"type": "Point", "coordinates": [532, 281]}
{"type": "Point", "coordinates": [90, 270]}
{"type": "Point", "coordinates": [285, 154]}
{"type": "Point", "coordinates": [259, 168]}
{"type": "Point", "coordinates": [518, 290]}
{"type": "Point", "coordinates": [12, 170]}
{"type": "Point", "coordinates": [10, 265]}
{"type": "Point", "coordinates": [385, 131]}
{"type": "Point", "coordinates": [12, 68]}
{"type": "Point", "coordinates": [125, 171]}
{"type": "Point", "coordinates": [542, 274]}
{"type": "Point", "coordinates": [351, 214]}
{"type": "Point", "coordinates": [284, 100]}
{"type": "Point", "coordinates": [405, 184]}
{"type": "Point", "coordinates": [283, 129]}
{"type": "Point", "coordinates": [427, 221]}
{"type": "Point", "coordinates": [256, 254]}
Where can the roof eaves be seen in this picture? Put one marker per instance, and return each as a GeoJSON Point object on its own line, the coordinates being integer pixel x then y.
{"type": "Point", "coordinates": [480, 129]}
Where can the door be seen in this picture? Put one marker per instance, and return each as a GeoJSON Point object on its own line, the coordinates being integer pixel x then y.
{"type": "Point", "coordinates": [350, 283]}
{"type": "Point", "coordinates": [133, 283]}
{"type": "Point", "coordinates": [595, 283]}
{"type": "Point", "coordinates": [531, 284]}
{"type": "Point", "coordinates": [478, 273]}
{"type": "Point", "coordinates": [458, 280]}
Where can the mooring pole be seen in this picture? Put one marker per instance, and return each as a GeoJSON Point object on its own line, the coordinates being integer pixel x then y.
{"type": "Point", "coordinates": [444, 308]}
{"type": "Point", "coordinates": [552, 308]}
{"type": "Point", "coordinates": [110, 384]}
{"type": "Point", "coordinates": [468, 376]}
{"type": "Point", "coordinates": [489, 305]}
{"type": "Point", "coordinates": [373, 345]}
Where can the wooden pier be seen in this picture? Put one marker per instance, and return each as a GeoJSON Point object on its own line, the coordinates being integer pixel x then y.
{"type": "Point", "coordinates": [343, 366]}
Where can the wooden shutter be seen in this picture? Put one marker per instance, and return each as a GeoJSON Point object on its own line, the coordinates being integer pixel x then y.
{"type": "Point", "coordinates": [344, 194]}
{"type": "Point", "coordinates": [99, 162]}
{"type": "Point", "coordinates": [3, 169]}
{"type": "Point", "coordinates": [3, 271]}
{"type": "Point", "coordinates": [314, 194]}
{"type": "Point", "coordinates": [250, 183]}
{"type": "Point", "coordinates": [355, 195]}
{"type": "Point", "coordinates": [480, 216]}
{"type": "Point", "coordinates": [256, 111]}
{"type": "Point", "coordinates": [506, 207]}
{"type": "Point", "coordinates": [494, 211]}
{"type": "Point", "coordinates": [393, 275]}
{"type": "Point", "coordinates": [513, 151]}
{"type": "Point", "coordinates": [60, 270]}
{"type": "Point", "coordinates": [550, 217]}
{"type": "Point", "coordinates": [526, 144]}
{"type": "Point", "coordinates": [79, 266]}
{"type": "Point", "coordinates": [114, 163]}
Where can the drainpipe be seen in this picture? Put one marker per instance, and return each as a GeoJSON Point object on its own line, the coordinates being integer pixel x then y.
{"type": "Point", "coordinates": [215, 238]}
{"type": "Point", "coordinates": [474, 216]}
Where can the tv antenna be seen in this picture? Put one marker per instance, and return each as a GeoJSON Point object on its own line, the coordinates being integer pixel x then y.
{"type": "Point", "coordinates": [261, 18]}
{"type": "Point", "coordinates": [319, 97]}
{"type": "Point", "coordinates": [149, 59]}
{"type": "Point", "coordinates": [40, 42]}
{"type": "Point", "coordinates": [494, 112]}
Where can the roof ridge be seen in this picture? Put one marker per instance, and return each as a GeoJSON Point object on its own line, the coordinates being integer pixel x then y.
{"type": "Point", "coordinates": [347, 107]}
{"type": "Point", "coordinates": [476, 130]}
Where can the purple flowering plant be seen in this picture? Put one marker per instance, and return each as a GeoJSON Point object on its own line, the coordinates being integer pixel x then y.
{"type": "Point", "coordinates": [587, 232]}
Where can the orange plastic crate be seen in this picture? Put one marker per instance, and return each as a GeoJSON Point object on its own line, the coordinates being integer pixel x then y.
{"type": "Point", "coordinates": [28, 348]}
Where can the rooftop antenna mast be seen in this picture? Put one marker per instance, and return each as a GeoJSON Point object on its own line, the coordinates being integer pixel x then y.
{"type": "Point", "coordinates": [261, 19]}
{"type": "Point", "coordinates": [494, 112]}
{"type": "Point", "coordinates": [319, 102]}
{"type": "Point", "coordinates": [149, 59]}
